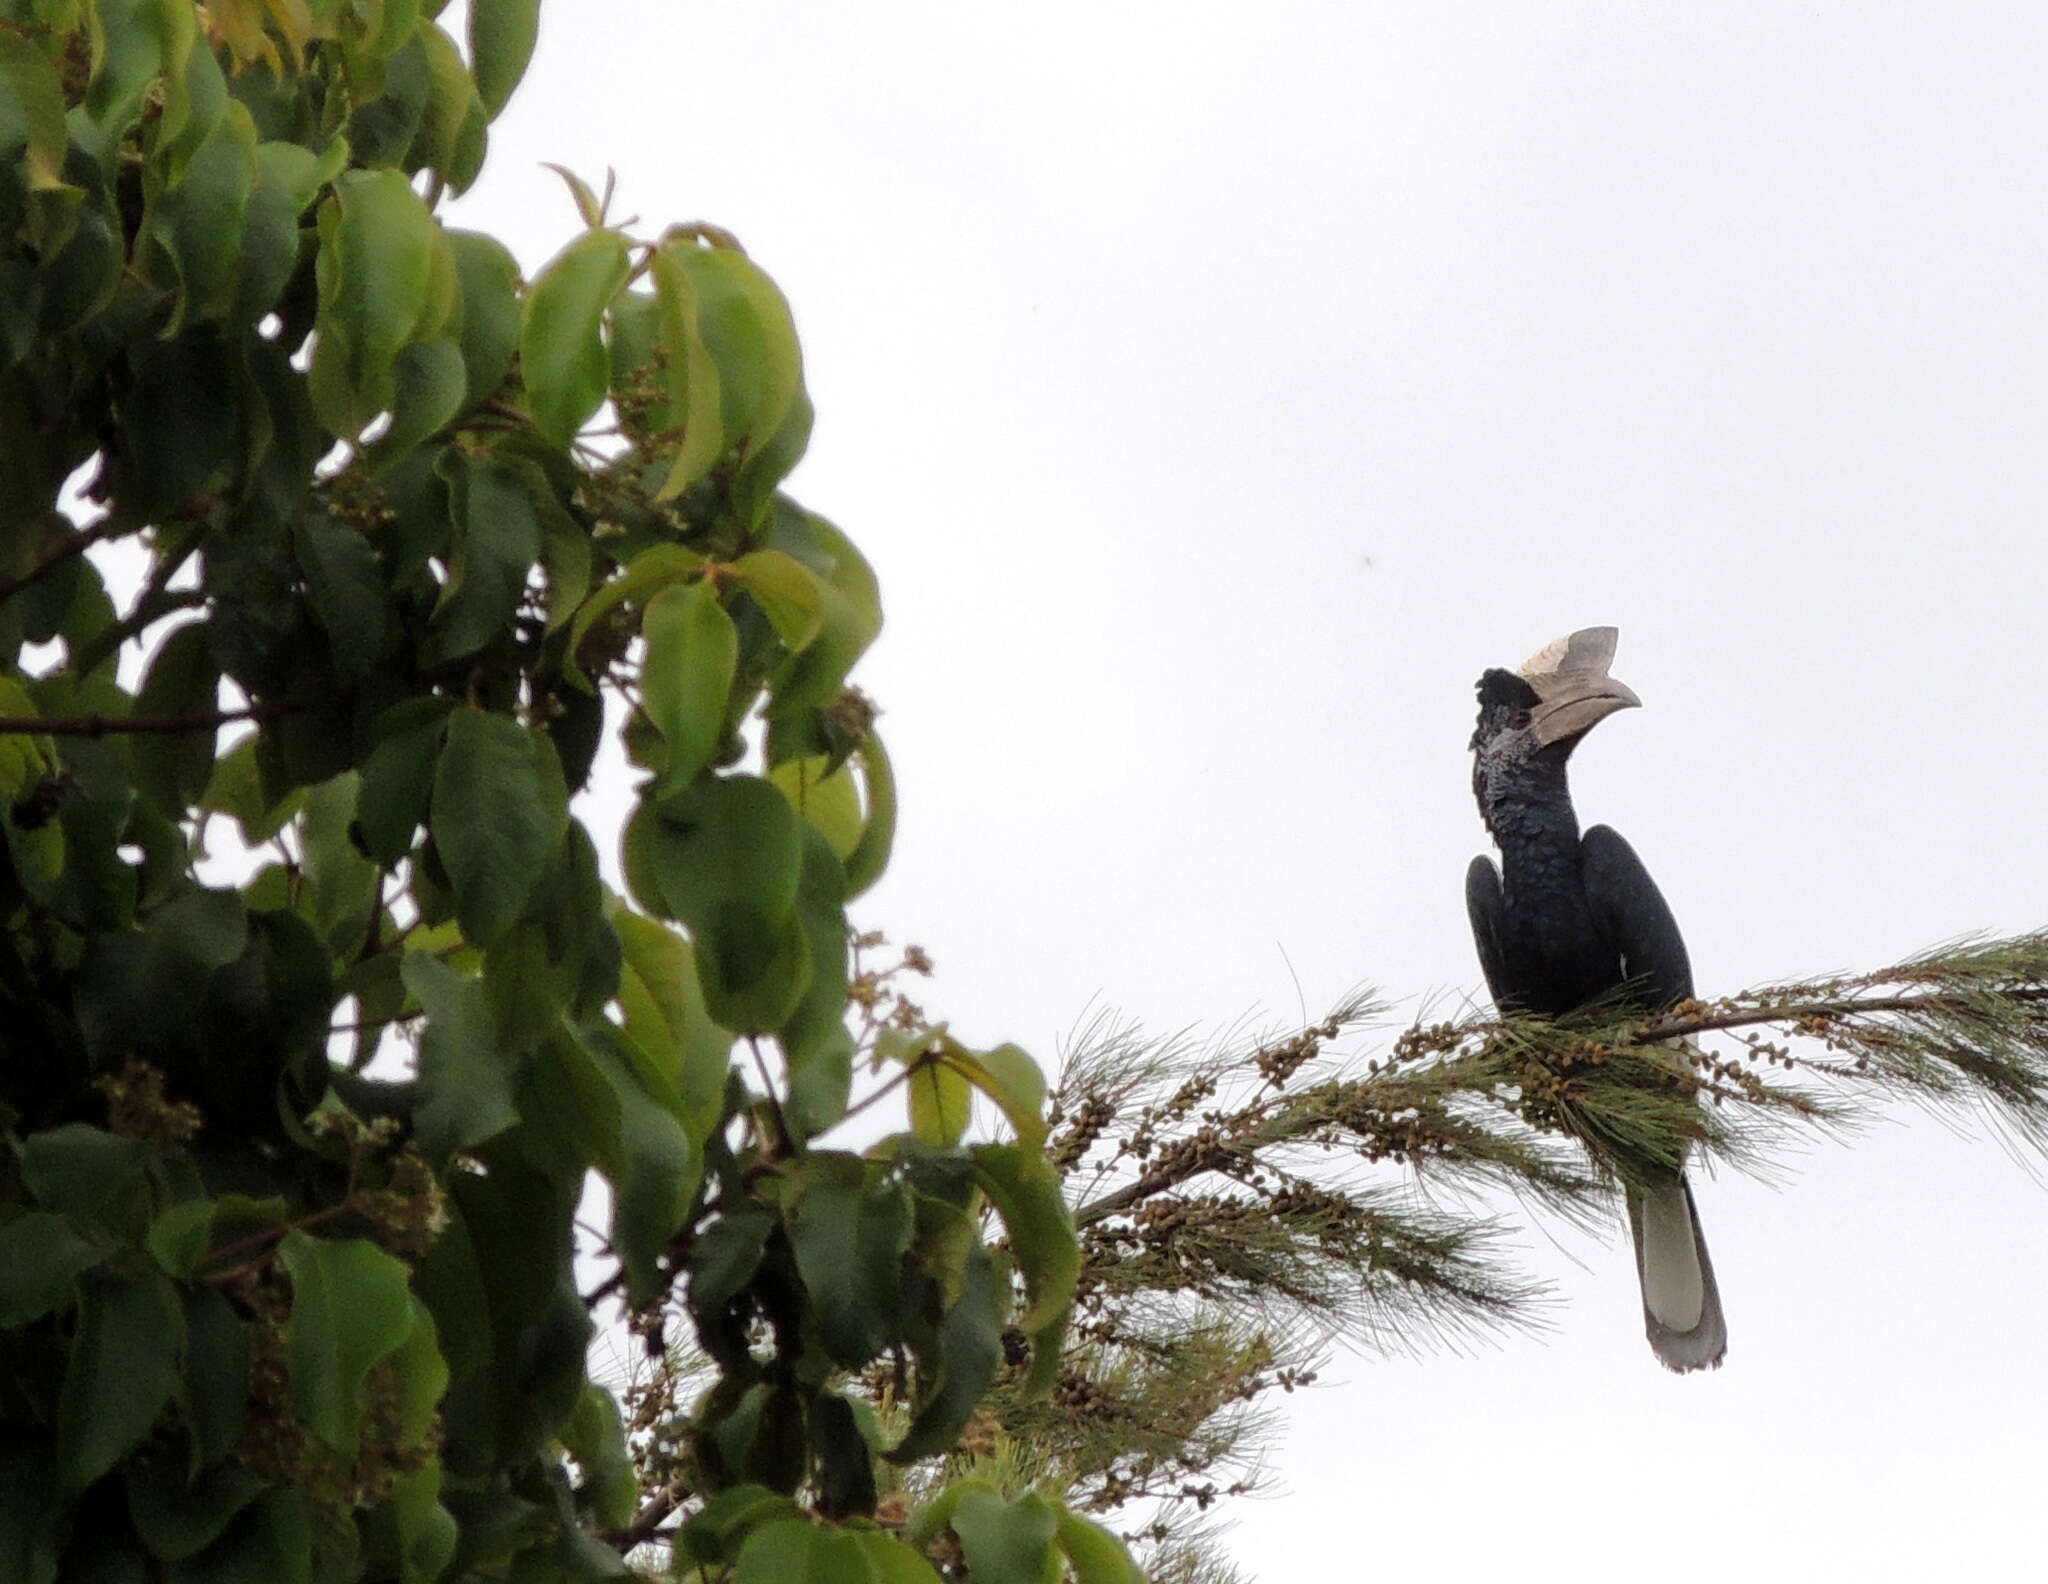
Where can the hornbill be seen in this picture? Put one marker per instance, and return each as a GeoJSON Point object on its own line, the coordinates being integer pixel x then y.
{"type": "Point", "coordinates": [1567, 920]}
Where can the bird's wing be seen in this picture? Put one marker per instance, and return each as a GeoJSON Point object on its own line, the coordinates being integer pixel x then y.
{"type": "Point", "coordinates": [1483, 906]}
{"type": "Point", "coordinates": [1633, 916]}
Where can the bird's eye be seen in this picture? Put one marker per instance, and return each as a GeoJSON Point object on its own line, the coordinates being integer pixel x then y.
{"type": "Point", "coordinates": [1519, 721]}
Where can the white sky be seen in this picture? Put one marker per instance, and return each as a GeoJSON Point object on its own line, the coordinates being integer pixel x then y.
{"type": "Point", "coordinates": [1217, 390]}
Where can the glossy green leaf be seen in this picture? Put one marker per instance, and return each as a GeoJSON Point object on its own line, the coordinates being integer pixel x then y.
{"type": "Point", "coordinates": [561, 349]}
{"type": "Point", "coordinates": [79, 1169]}
{"type": "Point", "coordinates": [489, 278]}
{"type": "Point", "coordinates": [789, 593]}
{"type": "Point", "coordinates": [870, 855]}
{"type": "Point", "coordinates": [956, 1377]}
{"type": "Point", "coordinates": [894, 1562]}
{"type": "Point", "coordinates": [377, 277]}
{"type": "Point", "coordinates": [692, 651]}
{"type": "Point", "coordinates": [398, 777]}
{"type": "Point", "coordinates": [215, 1383]}
{"type": "Point", "coordinates": [849, 612]}
{"type": "Point", "coordinates": [724, 855]}
{"type": "Point", "coordinates": [653, 569]}
{"type": "Point", "coordinates": [41, 1255]}
{"type": "Point", "coordinates": [941, 1098]}
{"type": "Point", "coordinates": [178, 1514]}
{"type": "Point", "coordinates": [595, 1437]}
{"type": "Point", "coordinates": [350, 1308]}
{"type": "Point", "coordinates": [191, 237]}
{"type": "Point", "coordinates": [498, 813]}
{"type": "Point", "coordinates": [849, 1237]}
{"type": "Point", "coordinates": [501, 35]}
{"type": "Point", "coordinates": [735, 370]}
{"type": "Point", "coordinates": [1008, 1542]}
{"type": "Point", "coordinates": [665, 1016]}
{"type": "Point", "coordinates": [716, 1531]}
{"type": "Point", "coordinates": [179, 1236]}
{"type": "Point", "coordinates": [345, 588]}
{"type": "Point", "coordinates": [1025, 1189]}
{"type": "Point", "coordinates": [123, 1367]}
{"type": "Point", "coordinates": [183, 679]}
{"type": "Point", "coordinates": [1096, 1555]}
{"type": "Point", "coordinates": [650, 1161]}
{"type": "Point", "coordinates": [1008, 1076]}
{"type": "Point", "coordinates": [429, 387]}
{"type": "Point", "coordinates": [815, 1041]}
{"type": "Point", "coordinates": [498, 537]}
{"type": "Point", "coordinates": [341, 885]}
{"type": "Point", "coordinates": [793, 1551]}
{"type": "Point", "coordinates": [465, 1087]}
{"type": "Point", "coordinates": [32, 144]}
{"type": "Point", "coordinates": [826, 796]}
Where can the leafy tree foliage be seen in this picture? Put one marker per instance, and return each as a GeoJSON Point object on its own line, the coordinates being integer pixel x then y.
{"type": "Point", "coordinates": [316, 1012]}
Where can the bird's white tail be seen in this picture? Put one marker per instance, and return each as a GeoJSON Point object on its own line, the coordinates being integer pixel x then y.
{"type": "Point", "coordinates": [1681, 1304]}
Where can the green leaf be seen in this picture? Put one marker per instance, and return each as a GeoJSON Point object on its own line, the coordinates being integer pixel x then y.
{"type": "Point", "coordinates": [734, 366]}
{"type": "Point", "coordinates": [179, 1236]}
{"type": "Point", "coordinates": [501, 35]}
{"type": "Point", "coordinates": [183, 679]}
{"type": "Point", "coordinates": [178, 1514]}
{"type": "Point", "coordinates": [216, 1375]}
{"type": "Point", "coordinates": [653, 568]}
{"type": "Point", "coordinates": [41, 1255]}
{"type": "Point", "coordinates": [651, 1162]}
{"type": "Point", "coordinates": [380, 254]}
{"type": "Point", "coordinates": [498, 815]}
{"type": "Point", "coordinates": [870, 855]}
{"type": "Point", "coordinates": [849, 1237]}
{"type": "Point", "coordinates": [1025, 1189]}
{"type": "Point", "coordinates": [596, 1438]}
{"type": "Point", "coordinates": [715, 1533]}
{"type": "Point", "coordinates": [561, 349]}
{"type": "Point", "coordinates": [793, 1551]}
{"type": "Point", "coordinates": [465, 1087]}
{"type": "Point", "coordinates": [498, 537]}
{"type": "Point", "coordinates": [665, 1017]}
{"type": "Point", "coordinates": [79, 1169]}
{"type": "Point", "coordinates": [342, 885]}
{"type": "Point", "coordinates": [686, 683]}
{"type": "Point", "coordinates": [849, 613]}
{"type": "Point", "coordinates": [941, 1098]}
{"type": "Point", "coordinates": [350, 1308]}
{"type": "Point", "coordinates": [430, 381]}
{"type": "Point", "coordinates": [724, 855]}
{"type": "Point", "coordinates": [893, 1561]}
{"type": "Point", "coordinates": [191, 237]}
{"type": "Point", "coordinates": [1013, 1080]}
{"type": "Point", "coordinates": [789, 593]}
{"type": "Point", "coordinates": [345, 587]}
{"type": "Point", "coordinates": [969, 1351]}
{"type": "Point", "coordinates": [814, 1038]}
{"type": "Point", "coordinates": [398, 777]}
{"type": "Point", "coordinates": [32, 141]}
{"type": "Point", "coordinates": [123, 1367]}
{"type": "Point", "coordinates": [489, 278]}
{"type": "Point", "coordinates": [1008, 1542]}
{"type": "Point", "coordinates": [826, 796]}
{"type": "Point", "coordinates": [1097, 1556]}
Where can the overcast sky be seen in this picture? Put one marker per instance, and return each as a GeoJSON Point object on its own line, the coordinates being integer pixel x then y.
{"type": "Point", "coordinates": [1218, 389]}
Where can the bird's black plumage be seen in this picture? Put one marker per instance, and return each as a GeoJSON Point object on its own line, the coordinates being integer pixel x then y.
{"type": "Point", "coordinates": [1567, 919]}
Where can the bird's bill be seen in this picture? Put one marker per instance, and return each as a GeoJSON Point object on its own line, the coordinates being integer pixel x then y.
{"type": "Point", "coordinates": [1571, 681]}
{"type": "Point", "coordinates": [1574, 705]}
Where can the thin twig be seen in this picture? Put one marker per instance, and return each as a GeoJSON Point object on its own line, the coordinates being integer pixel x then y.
{"type": "Point", "coordinates": [169, 725]}
{"type": "Point", "coordinates": [76, 545]}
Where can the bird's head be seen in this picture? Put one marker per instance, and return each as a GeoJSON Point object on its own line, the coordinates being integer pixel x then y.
{"type": "Point", "coordinates": [1537, 714]}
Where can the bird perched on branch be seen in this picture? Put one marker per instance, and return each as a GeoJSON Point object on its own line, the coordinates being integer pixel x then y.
{"type": "Point", "coordinates": [1567, 920]}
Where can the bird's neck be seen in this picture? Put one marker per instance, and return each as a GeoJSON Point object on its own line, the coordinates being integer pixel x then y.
{"type": "Point", "coordinates": [1528, 811]}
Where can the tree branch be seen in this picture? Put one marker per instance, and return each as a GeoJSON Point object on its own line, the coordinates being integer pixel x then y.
{"type": "Point", "coordinates": [169, 725]}
{"type": "Point", "coordinates": [76, 545]}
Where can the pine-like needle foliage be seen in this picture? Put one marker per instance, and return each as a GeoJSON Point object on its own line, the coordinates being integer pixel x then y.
{"type": "Point", "coordinates": [1247, 1205]}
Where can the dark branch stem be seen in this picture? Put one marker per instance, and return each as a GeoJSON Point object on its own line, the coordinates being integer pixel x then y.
{"type": "Point", "coordinates": [116, 725]}
{"type": "Point", "coordinates": [76, 545]}
{"type": "Point", "coordinates": [646, 1525]}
